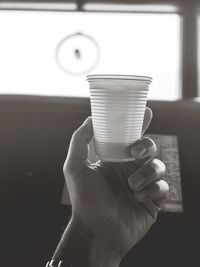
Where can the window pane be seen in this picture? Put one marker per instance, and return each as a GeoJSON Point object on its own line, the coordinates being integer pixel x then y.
{"type": "Point", "coordinates": [41, 5]}
{"type": "Point", "coordinates": [142, 44]}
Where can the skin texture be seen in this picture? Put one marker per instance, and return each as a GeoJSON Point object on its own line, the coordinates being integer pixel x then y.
{"type": "Point", "coordinates": [113, 204]}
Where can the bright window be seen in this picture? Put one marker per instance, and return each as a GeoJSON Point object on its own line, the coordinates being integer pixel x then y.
{"type": "Point", "coordinates": [114, 43]}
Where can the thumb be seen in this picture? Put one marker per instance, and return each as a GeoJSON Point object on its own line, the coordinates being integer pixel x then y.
{"type": "Point", "coordinates": [78, 148]}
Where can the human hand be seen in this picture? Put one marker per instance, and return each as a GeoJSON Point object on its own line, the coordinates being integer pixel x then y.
{"type": "Point", "coordinates": [114, 203]}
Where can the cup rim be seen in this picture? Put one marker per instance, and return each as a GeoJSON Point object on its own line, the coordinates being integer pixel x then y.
{"type": "Point", "coordinates": [118, 77]}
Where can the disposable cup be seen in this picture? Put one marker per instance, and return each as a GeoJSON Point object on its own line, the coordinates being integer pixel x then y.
{"type": "Point", "coordinates": [117, 105]}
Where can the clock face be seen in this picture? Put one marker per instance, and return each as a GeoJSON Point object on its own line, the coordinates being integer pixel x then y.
{"type": "Point", "coordinates": [77, 54]}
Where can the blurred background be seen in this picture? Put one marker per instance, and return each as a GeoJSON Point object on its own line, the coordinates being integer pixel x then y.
{"type": "Point", "coordinates": [46, 50]}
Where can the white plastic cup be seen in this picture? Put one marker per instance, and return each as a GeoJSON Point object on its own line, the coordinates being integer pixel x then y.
{"type": "Point", "coordinates": [117, 104]}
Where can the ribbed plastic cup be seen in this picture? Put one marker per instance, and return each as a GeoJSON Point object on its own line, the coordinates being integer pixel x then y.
{"type": "Point", "coordinates": [117, 104]}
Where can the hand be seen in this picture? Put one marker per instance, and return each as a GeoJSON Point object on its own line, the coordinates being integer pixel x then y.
{"type": "Point", "coordinates": [115, 203]}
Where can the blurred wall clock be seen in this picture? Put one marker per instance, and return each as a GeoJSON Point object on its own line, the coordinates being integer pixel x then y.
{"type": "Point", "coordinates": [77, 54]}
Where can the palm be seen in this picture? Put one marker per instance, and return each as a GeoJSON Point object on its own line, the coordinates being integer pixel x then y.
{"type": "Point", "coordinates": [108, 206]}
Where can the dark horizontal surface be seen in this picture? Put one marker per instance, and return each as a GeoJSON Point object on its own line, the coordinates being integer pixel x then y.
{"type": "Point", "coordinates": [34, 136]}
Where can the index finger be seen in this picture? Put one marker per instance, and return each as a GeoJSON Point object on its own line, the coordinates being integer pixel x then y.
{"type": "Point", "coordinates": [78, 149]}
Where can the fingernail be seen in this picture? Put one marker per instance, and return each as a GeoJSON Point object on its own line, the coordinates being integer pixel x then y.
{"type": "Point", "coordinates": [136, 181]}
{"type": "Point", "coordinates": [139, 150]}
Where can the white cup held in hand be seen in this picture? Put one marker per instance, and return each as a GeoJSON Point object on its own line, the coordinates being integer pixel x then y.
{"type": "Point", "coordinates": [117, 104]}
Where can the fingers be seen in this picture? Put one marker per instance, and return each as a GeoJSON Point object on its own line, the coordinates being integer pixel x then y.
{"type": "Point", "coordinates": [153, 171]}
{"type": "Point", "coordinates": [147, 183]}
{"type": "Point", "coordinates": [78, 148]}
{"type": "Point", "coordinates": [149, 187]}
{"type": "Point", "coordinates": [157, 190]}
{"type": "Point", "coordinates": [152, 197]}
{"type": "Point", "coordinates": [143, 150]}
{"type": "Point", "coordinates": [148, 115]}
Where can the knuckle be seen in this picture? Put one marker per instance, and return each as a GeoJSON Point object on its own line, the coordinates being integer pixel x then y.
{"type": "Point", "coordinates": [75, 134]}
{"type": "Point", "coordinates": [66, 169]}
{"type": "Point", "coordinates": [158, 168]}
{"type": "Point", "coordinates": [161, 188]}
{"type": "Point", "coordinates": [164, 187]}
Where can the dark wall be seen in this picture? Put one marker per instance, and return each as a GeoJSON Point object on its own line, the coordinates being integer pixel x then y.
{"type": "Point", "coordinates": [34, 138]}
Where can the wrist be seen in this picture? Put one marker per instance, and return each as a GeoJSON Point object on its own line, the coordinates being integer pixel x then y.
{"type": "Point", "coordinates": [84, 249]}
{"type": "Point", "coordinates": [103, 255]}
